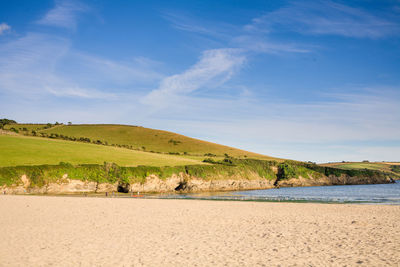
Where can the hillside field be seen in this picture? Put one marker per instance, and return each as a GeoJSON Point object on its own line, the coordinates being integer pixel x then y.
{"type": "Point", "coordinates": [379, 166]}
{"type": "Point", "coordinates": [23, 150]}
{"type": "Point", "coordinates": [149, 140]}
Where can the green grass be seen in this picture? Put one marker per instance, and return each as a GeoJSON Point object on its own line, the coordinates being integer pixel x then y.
{"type": "Point", "coordinates": [363, 165]}
{"type": "Point", "coordinates": [21, 150]}
{"type": "Point", "coordinates": [391, 168]}
{"type": "Point", "coordinates": [378, 166]}
{"type": "Point", "coordinates": [149, 140]}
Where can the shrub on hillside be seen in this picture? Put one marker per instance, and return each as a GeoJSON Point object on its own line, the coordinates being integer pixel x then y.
{"type": "Point", "coordinates": [14, 130]}
{"type": "Point", "coordinates": [5, 122]}
{"type": "Point", "coordinates": [175, 142]}
{"type": "Point", "coordinates": [395, 168]}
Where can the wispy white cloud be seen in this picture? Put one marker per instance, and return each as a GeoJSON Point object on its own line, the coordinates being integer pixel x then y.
{"type": "Point", "coordinates": [80, 92]}
{"type": "Point", "coordinates": [183, 22]}
{"type": "Point", "coordinates": [28, 63]}
{"type": "Point", "coordinates": [232, 35]}
{"type": "Point", "coordinates": [214, 68]}
{"type": "Point", "coordinates": [38, 65]}
{"type": "Point", "coordinates": [43, 65]}
{"type": "Point", "coordinates": [325, 17]}
{"type": "Point", "coordinates": [64, 14]}
{"type": "Point", "coordinates": [99, 69]}
{"type": "Point", "coordinates": [147, 62]}
{"type": "Point", "coordinates": [4, 27]}
{"type": "Point", "coordinates": [259, 44]}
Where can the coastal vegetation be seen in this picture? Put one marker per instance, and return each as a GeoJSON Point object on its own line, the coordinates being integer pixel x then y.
{"type": "Point", "coordinates": [231, 168]}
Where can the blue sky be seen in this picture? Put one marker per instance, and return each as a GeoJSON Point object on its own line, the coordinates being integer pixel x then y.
{"type": "Point", "coordinates": [306, 80]}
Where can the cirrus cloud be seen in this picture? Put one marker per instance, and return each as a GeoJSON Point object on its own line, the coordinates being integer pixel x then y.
{"type": "Point", "coordinates": [215, 67]}
{"type": "Point", "coordinates": [63, 14]}
{"type": "Point", "coordinates": [4, 27]}
{"type": "Point", "coordinates": [325, 18]}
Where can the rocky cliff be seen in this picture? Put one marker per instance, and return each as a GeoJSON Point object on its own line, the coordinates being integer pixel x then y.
{"type": "Point", "coordinates": [183, 183]}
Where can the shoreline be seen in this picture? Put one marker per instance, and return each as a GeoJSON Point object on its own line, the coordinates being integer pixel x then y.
{"type": "Point", "coordinates": [150, 197]}
{"type": "Point", "coordinates": [230, 195]}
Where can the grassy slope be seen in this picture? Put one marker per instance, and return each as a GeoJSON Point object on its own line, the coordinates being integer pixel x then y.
{"type": "Point", "coordinates": [152, 140]}
{"type": "Point", "coordinates": [379, 166]}
{"type": "Point", "coordinates": [20, 150]}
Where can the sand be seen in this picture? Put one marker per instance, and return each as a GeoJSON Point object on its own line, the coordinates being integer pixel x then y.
{"type": "Point", "coordinates": [72, 231]}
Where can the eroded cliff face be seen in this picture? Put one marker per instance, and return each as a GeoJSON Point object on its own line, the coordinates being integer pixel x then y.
{"type": "Point", "coordinates": [182, 183]}
{"type": "Point", "coordinates": [333, 180]}
{"type": "Point", "coordinates": [63, 186]}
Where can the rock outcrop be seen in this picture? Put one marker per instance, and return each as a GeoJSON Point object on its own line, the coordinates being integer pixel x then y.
{"type": "Point", "coordinates": [185, 183]}
{"type": "Point", "coordinates": [62, 186]}
{"type": "Point", "coordinates": [333, 180]}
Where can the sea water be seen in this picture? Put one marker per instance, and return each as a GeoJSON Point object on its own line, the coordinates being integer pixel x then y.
{"type": "Point", "coordinates": [372, 193]}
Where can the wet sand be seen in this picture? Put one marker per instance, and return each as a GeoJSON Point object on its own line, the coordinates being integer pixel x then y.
{"type": "Point", "coordinates": [71, 231]}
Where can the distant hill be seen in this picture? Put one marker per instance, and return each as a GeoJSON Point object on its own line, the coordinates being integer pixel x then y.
{"type": "Point", "coordinates": [389, 167]}
{"type": "Point", "coordinates": [136, 137]}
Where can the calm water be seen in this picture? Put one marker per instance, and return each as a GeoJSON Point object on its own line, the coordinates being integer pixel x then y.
{"type": "Point", "coordinates": [377, 193]}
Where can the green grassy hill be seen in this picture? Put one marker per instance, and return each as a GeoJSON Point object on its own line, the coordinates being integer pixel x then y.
{"type": "Point", "coordinates": [23, 150]}
{"type": "Point", "coordinates": [146, 139]}
{"type": "Point", "coordinates": [391, 167]}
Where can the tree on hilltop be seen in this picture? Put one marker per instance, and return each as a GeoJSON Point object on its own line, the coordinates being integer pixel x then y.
{"type": "Point", "coordinates": [5, 122]}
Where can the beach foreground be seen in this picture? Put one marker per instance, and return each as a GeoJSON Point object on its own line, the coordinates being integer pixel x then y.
{"type": "Point", "coordinates": [70, 231]}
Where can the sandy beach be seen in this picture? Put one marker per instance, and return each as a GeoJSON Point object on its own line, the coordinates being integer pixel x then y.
{"type": "Point", "coordinates": [72, 231]}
